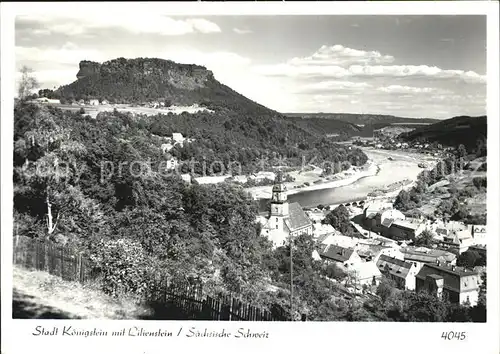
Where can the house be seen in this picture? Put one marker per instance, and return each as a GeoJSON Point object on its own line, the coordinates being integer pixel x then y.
{"type": "Point", "coordinates": [440, 228]}
{"type": "Point", "coordinates": [364, 273]}
{"type": "Point", "coordinates": [172, 163]}
{"type": "Point", "coordinates": [285, 219]}
{"type": "Point", "coordinates": [372, 252]}
{"type": "Point", "coordinates": [459, 240]}
{"type": "Point", "coordinates": [166, 147]}
{"type": "Point", "coordinates": [405, 229]}
{"type": "Point", "coordinates": [186, 177]}
{"type": "Point", "coordinates": [384, 220]}
{"type": "Point", "coordinates": [339, 240]}
{"type": "Point", "coordinates": [478, 233]}
{"type": "Point", "coordinates": [47, 100]}
{"type": "Point", "coordinates": [240, 178]}
{"type": "Point", "coordinates": [340, 255]}
{"type": "Point", "coordinates": [401, 272]}
{"type": "Point", "coordinates": [94, 102]}
{"type": "Point", "coordinates": [315, 215]}
{"type": "Point", "coordinates": [177, 137]}
{"type": "Point", "coordinates": [370, 213]}
{"type": "Point", "coordinates": [81, 102]}
{"type": "Point", "coordinates": [422, 255]}
{"type": "Point", "coordinates": [322, 229]}
{"type": "Point", "coordinates": [104, 102]}
{"type": "Point", "coordinates": [458, 284]}
{"type": "Point", "coordinates": [261, 175]}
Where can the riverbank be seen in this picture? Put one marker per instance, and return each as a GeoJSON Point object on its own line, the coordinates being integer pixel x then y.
{"type": "Point", "coordinates": [393, 168]}
{"type": "Point", "coordinates": [302, 179]}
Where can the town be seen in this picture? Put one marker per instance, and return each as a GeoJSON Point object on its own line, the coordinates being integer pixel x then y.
{"type": "Point", "coordinates": [333, 188]}
{"type": "Point", "coordinates": [385, 247]}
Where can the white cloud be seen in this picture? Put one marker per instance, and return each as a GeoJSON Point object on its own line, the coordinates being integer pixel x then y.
{"type": "Point", "coordinates": [242, 31]}
{"type": "Point", "coordinates": [339, 55]}
{"type": "Point", "coordinates": [325, 86]}
{"type": "Point", "coordinates": [326, 81]}
{"type": "Point", "coordinates": [140, 22]}
{"type": "Point", "coordinates": [340, 62]}
{"type": "Point", "coordinates": [68, 54]}
{"type": "Point", "coordinates": [407, 89]}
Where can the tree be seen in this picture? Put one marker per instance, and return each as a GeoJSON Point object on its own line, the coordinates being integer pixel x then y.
{"type": "Point", "coordinates": [53, 166]}
{"type": "Point", "coordinates": [482, 290]}
{"type": "Point", "coordinates": [386, 289]}
{"type": "Point", "coordinates": [335, 272]}
{"type": "Point", "coordinates": [403, 201]}
{"type": "Point", "coordinates": [468, 259]}
{"type": "Point", "coordinates": [27, 83]}
{"type": "Point", "coordinates": [339, 219]}
{"type": "Point", "coordinates": [462, 151]}
{"type": "Point", "coordinates": [426, 238]}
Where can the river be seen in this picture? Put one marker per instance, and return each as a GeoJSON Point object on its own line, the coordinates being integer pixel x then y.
{"type": "Point", "coordinates": [403, 166]}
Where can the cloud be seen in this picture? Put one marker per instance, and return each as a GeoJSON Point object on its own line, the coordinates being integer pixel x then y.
{"type": "Point", "coordinates": [341, 79]}
{"type": "Point", "coordinates": [341, 62]}
{"type": "Point", "coordinates": [242, 31]}
{"type": "Point", "coordinates": [69, 53]}
{"type": "Point", "coordinates": [332, 79]}
{"type": "Point", "coordinates": [138, 22]}
{"type": "Point", "coordinates": [333, 86]}
{"type": "Point", "coordinates": [339, 55]}
{"type": "Point", "coordinates": [398, 89]}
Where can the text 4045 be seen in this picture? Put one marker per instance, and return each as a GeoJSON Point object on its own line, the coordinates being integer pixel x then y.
{"type": "Point", "coordinates": [453, 335]}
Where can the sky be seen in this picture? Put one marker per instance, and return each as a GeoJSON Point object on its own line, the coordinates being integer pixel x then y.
{"type": "Point", "coordinates": [413, 66]}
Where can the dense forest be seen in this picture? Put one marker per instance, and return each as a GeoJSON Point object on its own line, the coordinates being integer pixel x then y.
{"type": "Point", "coordinates": [453, 207]}
{"type": "Point", "coordinates": [363, 119]}
{"type": "Point", "coordinates": [142, 225]}
{"type": "Point", "coordinates": [452, 132]}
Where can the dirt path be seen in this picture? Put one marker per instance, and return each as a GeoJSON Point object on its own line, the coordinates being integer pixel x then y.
{"type": "Point", "coordinates": [38, 294]}
{"type": "Point", "coordinates": [28, 306]}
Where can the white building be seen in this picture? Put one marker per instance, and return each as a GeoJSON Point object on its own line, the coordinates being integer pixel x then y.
{"type": "Point", "coordinates": [285, 219]}
{"type": "Point", "coordinates": [177, 137]}
{"type": "Point", "coordinates": [364, 273]}
{"type": "Point", "coordinates": [401, 272]}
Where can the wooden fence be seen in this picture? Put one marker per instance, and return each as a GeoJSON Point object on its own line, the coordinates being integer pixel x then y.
{"type": "Point", "coordinates": [169, 300]}
{"type": "Point", "coordinates": [192, 304]}
{"type": "Point", "coordinates": [65, 262]}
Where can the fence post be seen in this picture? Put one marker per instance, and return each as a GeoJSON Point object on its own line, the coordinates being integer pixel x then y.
{"type": "Point", "coordinates": [62, 262]}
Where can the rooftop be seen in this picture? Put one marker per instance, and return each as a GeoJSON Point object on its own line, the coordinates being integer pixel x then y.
{"type": "Point", "coordinates": [427, 255]}
{"type": "Point", "coordinates": [297, 217]}
{"type": "Point", "coordinates": [336, 253]}
{"type": "Point", "coordinates": [452, 275]}
{"type": "Point", "coordinates": [394, 266]}
{"type": "Point", "coordinates": [406, 224]}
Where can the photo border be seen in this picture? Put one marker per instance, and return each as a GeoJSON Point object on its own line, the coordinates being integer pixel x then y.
{"type": "Point", "coordinates": [384, 337]}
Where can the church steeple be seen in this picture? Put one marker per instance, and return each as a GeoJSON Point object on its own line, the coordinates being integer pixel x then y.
{"type": "Point", "coordinates": [279, 189]}
{"type": "Point", "coordinates": [279, 203]}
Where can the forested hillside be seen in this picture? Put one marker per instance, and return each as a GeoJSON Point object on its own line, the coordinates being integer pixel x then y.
{"type": "Point", "coordinates": [452, 132]}
{"type": "Point", "coordinates": [83, 182]}
{"type": "Point", "coordinates": [363, 119]}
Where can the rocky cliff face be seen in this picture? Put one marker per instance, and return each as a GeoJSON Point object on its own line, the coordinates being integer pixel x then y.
{"type": "Point", "coordinates": [146, 80]}
{"type": "Point", "coordinates": [138, 80]}
{"type": "Point", "coordinates": [87, 68]}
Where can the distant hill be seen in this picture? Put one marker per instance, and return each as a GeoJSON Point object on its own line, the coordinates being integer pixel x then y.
{"type": "Point", "coordinates": [451, 132]}
{"type": "Point", "coordinates": [236, 128]}
{"type": "Point", "coordinates": [363, 119]}
{"type": "Point", "coordinates": [322, 126]}
{"type": "Point", "coordinates": [143, 80]}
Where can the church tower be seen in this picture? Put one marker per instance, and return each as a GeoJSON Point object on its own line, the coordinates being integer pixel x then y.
{"type": "Point", "coordinates": [279, 204]}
